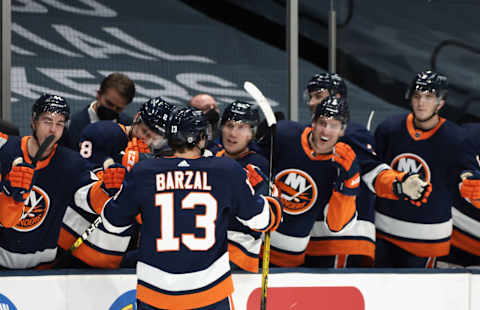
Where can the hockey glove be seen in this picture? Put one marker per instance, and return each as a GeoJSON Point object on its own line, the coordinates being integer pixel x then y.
{"type": "Point", "coordinates": [19, 180]}
{"type": "Point", "coordinates": [276, 212]}
{"type": "Point", "coordinates": [470, 187]}
{"type": "Point", "coordinates": [348, 176]}
{"type": "Point", "coordinates": [135, 148]}
{"type": "Point", "coordinates": [113, 175]}
{"type": "Point", "coordinates": [411, 187]}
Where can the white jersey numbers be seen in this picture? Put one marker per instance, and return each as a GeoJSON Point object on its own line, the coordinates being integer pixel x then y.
{"type": "Point", "coordinates": [206, 221]}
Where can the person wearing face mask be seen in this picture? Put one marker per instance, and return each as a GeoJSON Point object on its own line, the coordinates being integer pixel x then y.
{"type": "Point", "coordinates": [126, 145]}
{"type": "Point", "coordinates": [116, 92]}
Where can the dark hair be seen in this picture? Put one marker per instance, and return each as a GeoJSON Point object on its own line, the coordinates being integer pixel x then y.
{"type": "Point", "coordinates": [121, 83]}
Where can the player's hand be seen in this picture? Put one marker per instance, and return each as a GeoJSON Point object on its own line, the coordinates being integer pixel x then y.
{"type": "Point", "coordinates": [470, 186]}
{"type": "Point", "coordinates": [142, 146]}
{"type": "Point", "coordinates": [113, 175]}
{"type": "Point", "coordinates": [348, 176]}
{"type": "Point", "coordinates": [19, 180]}
{"type": "Point", "coordinates": [411, 187]}
{"type": "Point", "coordinates": [276, 208]}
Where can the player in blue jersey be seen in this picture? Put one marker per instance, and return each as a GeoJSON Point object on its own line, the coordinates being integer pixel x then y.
{"type": "Point", "coordinates": [318, 181]}
{"type": "Point", "coordinates": [34, 198]}
{"type": "Point", "coordinates": [238, 126]}
{"type": "Point", "coordinates": [99, 141]}
{"type": "Point", "coordinates": [186, 202]}
{"type": "Point", "coordinates": [465, 247]}
{"type": "Point", "coordinates": [421, 142]}
{"type": "Point", "coordinates": [377, 177]}
{"type": "Point", "coordinates": [115, 93]}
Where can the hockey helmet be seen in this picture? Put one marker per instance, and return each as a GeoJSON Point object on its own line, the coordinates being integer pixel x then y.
{"type": "Point", "coordinates": [51, 103]}
{"type": "Point", "coordinates": [186, 126]}
{"type": "Point", "coordinates": [332, 82]}
{"type": "Point", "coordinates": [428, 81]}
{"type": "Point", "coordinates": [333, 107]}
{"type": "Point", "coordinates": [155, 114]}
{"type": "Point", "coordinates": [240, 111]}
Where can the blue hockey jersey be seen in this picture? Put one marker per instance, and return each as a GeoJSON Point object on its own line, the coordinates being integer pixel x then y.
{"type": "Point", "coordinates": [59, 179]}
{"type": "Point", "coordinates": [186, 205]}
{"type": "Point", "coordinates": [438, 155]}
{"type": "Point", "coordinates": [243, 243]}
{"type": "Point", "coordinates": [305, 182]}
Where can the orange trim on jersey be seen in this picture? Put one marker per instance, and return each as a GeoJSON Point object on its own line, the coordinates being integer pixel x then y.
{"type": "Point", "coordinates": [98, 197]}
{"type": "Point", "coordinates": [41, 163]}
{"type": "Point", "coordinates": [465, 243]}
{"type": "Point", "coordinates": [65, 239]}
{"type": "Point", "coordinates": [341, 247]}
{"type": "Point", "coordinates": [138, 218]}
{"type": "Point", "coordinates": [10, 211]}
{"type": "Point", "coordinates": [417, 134]}
{"type": "Point", "coordinates": [353, 182]}
{"type": "Point", "coordinates": [186, 301]}
{"type": "Point", "coordinates": [420, 249]}
{"type": "Point", "coordinates": [286, 260]}
{"type": "Point", "coordinates": [341, 261]}
{"type": "Point", "coordinates": [308, 149]}
{"type": "Point", "coordinates": [384, 183]}
{"type": "Point", "coordinates": [3, 135]}
{"type": "Point", "coordinates": [341, 209]}
{"type": "Point", "coordinates": [242, 260]}
{"type": "Point", "coordinates": [87, 254]}
{"type": "Point", "coordinates": [220, 153]}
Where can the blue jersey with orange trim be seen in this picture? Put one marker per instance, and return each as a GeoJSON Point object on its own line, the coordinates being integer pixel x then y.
{"type": "Point", "coordinates": [437, 155]}
{"type": "Point", "coordinates": [98, 141]}
{"type": "Point", "coordinates": [362, 142]}
{"type": "Point", "coordinates": [466, 217]}
{"type": "Point", "coordinates": [243, 243]}
{"type": "Point", "coordinates": [186, 205]}
{"type": "Point", "coordinates": [59, 179]}
{"type": "Point", "coordinates": [305, 182]}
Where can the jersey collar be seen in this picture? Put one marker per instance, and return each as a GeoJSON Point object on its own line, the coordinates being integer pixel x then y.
{"type": "Point", "coordinates": [418, 134]}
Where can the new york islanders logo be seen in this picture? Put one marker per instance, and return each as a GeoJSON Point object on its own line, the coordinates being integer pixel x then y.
{"type": "Point", "coordinates": [35, 210]}
{"type": "Point", "coordinates": [408, 162]}
{"type": "Point", "coordinates": [297, 190]}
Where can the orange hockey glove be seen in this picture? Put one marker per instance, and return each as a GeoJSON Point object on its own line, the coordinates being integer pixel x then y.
{"type": "Point", "coordinates": [19, 180]}
{"type": "Point", "coordinates": [113, 175]}
{"type": "Point", "coordinates": [135, 148]}
{"type": "Point", "coordinates": [470, 187]}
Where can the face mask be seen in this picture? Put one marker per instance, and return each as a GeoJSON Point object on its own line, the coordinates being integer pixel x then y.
{"type": "Point", "coordinates": [106, 114]}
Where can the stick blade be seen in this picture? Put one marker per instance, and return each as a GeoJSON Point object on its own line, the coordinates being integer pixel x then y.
{"type": "Point", "coordinates": [261, 101]}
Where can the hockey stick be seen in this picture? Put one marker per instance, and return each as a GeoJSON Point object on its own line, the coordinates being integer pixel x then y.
{"type": "Point", "coordinates": [369, 121]}
{"type": "Point", "coordinates": [41, 149]}
{"type": "Point", "coordinates": [90, 229]}
{"type": "Point", "coordinates": [271, 123]}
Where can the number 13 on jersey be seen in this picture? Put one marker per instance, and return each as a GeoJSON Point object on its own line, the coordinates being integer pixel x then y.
{"type": "Point", "coordinates": [168, 241]}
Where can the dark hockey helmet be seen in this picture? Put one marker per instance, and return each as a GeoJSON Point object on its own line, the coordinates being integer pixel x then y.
{"type": "Point", "coordinates": [155, 113]}
{"type": "Point", "coordinates": [333, 107]}
{"type": "Point", "coordinates": [428, 81]}
{"type": "Point", "coordinates": [240, 111]}
{"type": "Point", "coordinates": [51, 103]}
{"type": "Point", "coordinates": [186, 126]}
{"type": "Point", "coordinates": [332, 82]}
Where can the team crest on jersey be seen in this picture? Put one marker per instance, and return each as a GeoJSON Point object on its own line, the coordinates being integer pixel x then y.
{"type": "Point", "coordinates": [297, 190]}
{"type": "Point", "coordinates": [408, 162]}
{"type": "Point", "coordinates": [35, 211]}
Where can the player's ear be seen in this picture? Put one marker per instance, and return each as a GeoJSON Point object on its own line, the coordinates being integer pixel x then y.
{"type": "Point", "coordinates": [441, 103]}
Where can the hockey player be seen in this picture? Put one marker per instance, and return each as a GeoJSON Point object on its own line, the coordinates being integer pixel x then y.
{"type": "Point", "coordinates": [420, 142]}
{"type": "Point", "coordinates": [34, 198]}
{"type": "Point", "coordinates": [377, 178]}
{"type": "Point", "coordinates": [465, 247]}
{"type": "Point", "coordinates": [99, 141]}
{"type": "Point", "coordinates": [115, 93]}
{"type": "Point", "coordinates": [186, 202]}
{"type": "Point", "coordinates": [238, 125]}
{"type": "Point", "coordinates": [318, 181]}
